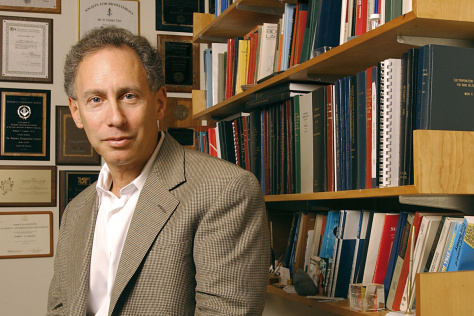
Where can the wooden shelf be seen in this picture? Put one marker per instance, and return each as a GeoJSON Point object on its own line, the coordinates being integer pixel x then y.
{"type": "Point", "coordinates": [366, 50]}
{"type": "Point", "coordinates": [445, 293]}
{"type": "Point", "coordinates": [340, 307]}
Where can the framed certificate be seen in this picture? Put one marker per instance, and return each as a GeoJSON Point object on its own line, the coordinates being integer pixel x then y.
{"type": "Point", "coordinates": [24, 125]}
{"type": "Point", "coordinates": [180, 62]}
{"type": "Point", "coordinates": [71, 183]}
{"type": "Point", "coordinates": [38, 6]}
{"type": "Point", "coordinates": [121, 13]}
{"type": "Point", "coordinates": [27, 49]}
{"type": "Point", "coordinates": [172, 15]}
{"type": "Point", "coordinates": [28, 186]}
{"type": "Point", "coordinates": [72, 145]}
{"type": "Point", "coordinates": [26, 234]}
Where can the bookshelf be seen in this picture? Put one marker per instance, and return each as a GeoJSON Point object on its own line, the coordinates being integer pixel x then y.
{"type": "Point", "coordinates": [443, 164]}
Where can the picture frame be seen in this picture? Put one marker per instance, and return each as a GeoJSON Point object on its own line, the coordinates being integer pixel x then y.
{"type": "Point", "coordinates": [25, 124]}
{"type": "Point", "coordinates": [71, 183]}
{"type": "Point", "coordinates": [121, 13]}
{"type": "Point", "coordinates": [36, 6]}
{"type": "Point", "coordinates": [177, 16]}
{"type": "Point", "coordinates": [27, 49]}
{"type": "Point", "coordinates": [180, 58]}
{"type": "Point", "coordinates": [26, 234]}
{"type": "Point", "coordinates": [25, 186]}
{"type": "Point", "coordinates": [72, 145]}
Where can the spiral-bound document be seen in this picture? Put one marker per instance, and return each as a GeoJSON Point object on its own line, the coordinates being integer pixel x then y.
{"type": "Point", "coordinates": [390, 105]}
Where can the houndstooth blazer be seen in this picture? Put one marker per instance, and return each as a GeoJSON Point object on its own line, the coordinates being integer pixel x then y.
{"type": "Point", "coordinates": [198, 243]}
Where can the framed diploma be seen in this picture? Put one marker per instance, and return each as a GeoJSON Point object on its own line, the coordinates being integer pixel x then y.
{"type": "Point", "coordinates": [27, 49]}
{"type": "Point", "coordinates": [26, 234]}
{"type": "Point", "coordinates": [24, 124]}
{"type": "Point", "coordinates": [72, 145]}
{"type": "Point", "coordinates": [71, 183]}
{"type": "Point", "coordinates": [180, 62]}
{"type": "Point", "coordinates": [121, 13]}
{"type": "Point", "coordinates": [38, 6]}
{"type": "Point", "coordinates": [27, 186]}
{"type": "Point", "coordinates": [172, 15]}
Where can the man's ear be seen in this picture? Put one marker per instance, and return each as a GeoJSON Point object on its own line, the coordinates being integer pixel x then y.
{"type": "Point", "coordinates": [160, 99]}
{"type": "Point", "coordinates": [74, 108]}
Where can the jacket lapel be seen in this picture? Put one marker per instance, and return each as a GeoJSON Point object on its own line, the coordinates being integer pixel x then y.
{"type": "Point", "coordinates": [154, 207]}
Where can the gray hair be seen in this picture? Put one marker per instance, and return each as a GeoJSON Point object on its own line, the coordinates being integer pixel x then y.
{"type": "Point", "coordinates": [111, 36]}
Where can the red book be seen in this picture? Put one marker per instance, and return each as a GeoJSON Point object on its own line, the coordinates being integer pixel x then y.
{"type": "Point", "coordinates": [361, 17]}
{"type": "Point", "coordinates": [229, 88]}
{"type": "Point", "coordinates": [252, 58]}
{"type": "Point", "coordinates": [212, 141]}
{"type": "Point", "coordinates": [330, 140]}
{"type": "Point", "coordinates": [368, 139]}
{"type": "Point", "coordinates": [299, 36]}
{"type": "Point", "coordinates": [386, 241]}
{"type": "Point", "coordinates": [293, 36]}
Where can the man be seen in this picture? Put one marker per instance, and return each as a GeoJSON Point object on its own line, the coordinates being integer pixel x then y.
{"type": "Point", "coordinates": [164, 231]}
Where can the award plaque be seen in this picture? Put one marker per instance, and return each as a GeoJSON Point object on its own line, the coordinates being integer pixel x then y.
{"type": "Point", "coordinates": [27, 49]}
{"type": "Point", "coordinates": [26, 234]}
{"type": "Point", "coordinates": [121, 13]}
{"type": "Point", "coordinates": [27, 186]}
{"type": "Point", "coordinates": [71, 183]}
{"type": "Point", "coordinates": [38, 6]}
{"type": "Point", "coordinates": [25, 116]}
{"type": "Point", "coordinates": [72, 145]}
{"type": "Point", "coordinates": [172, 15]}
{"type": "Point", "coordinates": [180, 62]}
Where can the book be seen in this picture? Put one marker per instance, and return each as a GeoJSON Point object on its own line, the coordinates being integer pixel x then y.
{"type": "Point", "coordinates": [447, 74]}
{"type": "Point", "coordinates": [456, 248]}
{"type": "Point", "coordinates": [328, 27]}
{"type": "Point", "coordinates": [451, 242]}
{"type": "Point", "coordinates": [426, 235]}
{"type": "Point", "coordinates": [291, 239]}
{"type": "Point", "coordinates": [385, 246]}
{"type": "Point", "coordinates": [319, 112]}
{"type": "Point", "coordinates": [289, 14]}
{"type": "Point", "coordinates": [255, 144]}
{"type": "Point", "coordinates": [217, 48]}
{"type": "Point", "coordinates": [298, 31]}
{"type": "Point", "coordinates": [284, 87]}
{"type": "Point", "coordinates": [208, 73]}
{"type": "Point", "coordinates": [359, 272]}
{"type": "Point", "coordinates": [306, 224]}
{"type": "Point", "coordinates": [359, 244]}
{"type": "Point", "coordinates": [329, 237]}
{"type": "Point", "coordinates": [361, 129]}
{"type": "Point", "coordinates": [466, 254]}
{"type": "Point", "coordinates": [241, 75]}
{"type": "Point", "coordinates": [330, 148]}
{"type": "Point", "coordinates": [319, 223]}
{"type": "Point", "coordinates": [272, 99]}
{"type": "Point", "coordinates": [306, 138]}
{"type": "Point", "coordinates": [438, 256]}
{"type": "Point", "coordinates": [229, 86]}
{"type": "Point", "coordinates": [402, 228]}
{"type": "Point", "coordinates": [266, 50]}
{"type": "Point", "coordinates": [297, 144]}
{"type": "Point", "coordinates": [390, 72]}
{"type": "Point", "coordinates": [310, 29]}
{"type": "Point", "coordinates": [349, 231]}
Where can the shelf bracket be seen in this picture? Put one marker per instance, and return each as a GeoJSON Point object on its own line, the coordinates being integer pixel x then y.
{"type": "Point", "coordinates": [422, 41]}
{"type": "Point", "coordinates": [266, 10]}
{"type": "Point", "coordinates": [213, 39]}
{"type": "Point", "coordinates": [462, 203]}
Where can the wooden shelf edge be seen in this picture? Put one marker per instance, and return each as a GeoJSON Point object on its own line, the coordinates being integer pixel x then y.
{"type": "Point", "coordinates": [340, 307]}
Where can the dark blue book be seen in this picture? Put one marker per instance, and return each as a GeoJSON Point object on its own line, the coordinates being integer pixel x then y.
{"type": "Point", "coordinates": [447, 91]}
{"type": "Point", "coordinates": [349, 224]}
{"type": "Point", "coordinates": [347, 133]}
{"type": "Point", "coordinates": [337, 129]}
{"type": "Point", "coordinates": [361, 132]}
{"type": "Point", "coordinates": [329, 24]}
{"type": "Point", "coordinates": [402, 219]}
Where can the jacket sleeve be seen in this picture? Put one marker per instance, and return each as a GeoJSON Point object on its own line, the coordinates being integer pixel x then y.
{"type": "Point", "coordinates": [231, 251]}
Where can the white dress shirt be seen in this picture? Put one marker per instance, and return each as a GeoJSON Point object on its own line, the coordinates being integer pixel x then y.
{"type": "Point", "coordinates": [113, 220]}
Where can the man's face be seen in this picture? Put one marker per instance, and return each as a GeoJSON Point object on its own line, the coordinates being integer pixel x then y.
{"type": "Point", "coordinates": [116, 107]}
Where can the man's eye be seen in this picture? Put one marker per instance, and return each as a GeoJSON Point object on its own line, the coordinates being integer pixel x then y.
{"type": "Point", "coordinates": [95, 100]}
{"type": "Point", "coordinates": [129, 96]}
